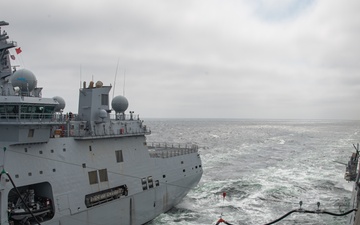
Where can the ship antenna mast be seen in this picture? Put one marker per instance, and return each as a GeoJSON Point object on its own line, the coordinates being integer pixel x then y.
{"type": "Point", "coordinates": [117, 66]}
{"type": "Point", "coordinates": [124, 82]}
{"type": "Point", "coordinates": [80, 76]}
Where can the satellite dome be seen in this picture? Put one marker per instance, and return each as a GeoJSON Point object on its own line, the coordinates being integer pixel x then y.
{"type": "Point", "coordinates": [99, 84]}
{"type": "Point", "coordinates": [119, 103]}
{"type": "Point", "coordinates": [102, 113]}
{"type": "Point", "coordinates": [24, 79]}
{"type": "Point", "coordinates": [61, 104]}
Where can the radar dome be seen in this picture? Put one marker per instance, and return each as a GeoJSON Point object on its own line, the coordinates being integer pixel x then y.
{"type": "Point", "coordinates": [61, 104]}
{"type": "Point", "coordinates": [24, 79]}
{"type": "Point", "coordinates": [99, 84]}
{"type": "Point", "coordinates": [119, 103]}
{"type": "Point", "coordinates": [102, 113]}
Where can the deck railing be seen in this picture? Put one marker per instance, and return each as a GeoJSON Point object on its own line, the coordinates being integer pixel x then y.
{"type": "Point", "coordinates": [166, 150]}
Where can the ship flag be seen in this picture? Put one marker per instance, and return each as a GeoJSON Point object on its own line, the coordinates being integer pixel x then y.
{"type": "Point", "coordinates": [18, 50]}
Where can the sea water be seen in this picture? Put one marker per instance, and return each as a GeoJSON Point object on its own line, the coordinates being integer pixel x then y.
{"type": "Point", "coordinates": [265, 167]}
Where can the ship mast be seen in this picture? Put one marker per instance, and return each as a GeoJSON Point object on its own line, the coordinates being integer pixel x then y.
{"type": "Point", "coordinates": [5, 66]}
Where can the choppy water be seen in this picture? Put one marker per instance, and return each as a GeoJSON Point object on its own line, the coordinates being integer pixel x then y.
{"type": "Point", "coordinates": [265, 167]}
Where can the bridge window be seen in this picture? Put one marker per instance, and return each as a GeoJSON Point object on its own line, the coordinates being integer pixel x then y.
{"type": "Point", "coordinates": [49, 109]}
{"type": "Point", "coordinates": [39, 109]}
{"type": "Point", "coordinates": [13, 109]}
{"type": "Point", "coordinates": [26, 109]}
{"type": "Point", "coordinates": [9, 109]}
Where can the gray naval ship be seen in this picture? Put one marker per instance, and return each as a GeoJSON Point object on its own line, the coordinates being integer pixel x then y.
{"type": "Point", "coordinates": [94, 167]}
{"type": "Point", "coordinates": [352, 174]}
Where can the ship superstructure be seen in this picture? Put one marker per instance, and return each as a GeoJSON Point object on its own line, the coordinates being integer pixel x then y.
{"type": "Point", "coordinates": [92, 167]}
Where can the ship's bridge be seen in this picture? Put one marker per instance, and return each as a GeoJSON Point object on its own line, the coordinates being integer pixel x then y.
{"type": "Point", "coordinates": [21, 100]}
{"type": "Point", "coordinates": [26, 109]}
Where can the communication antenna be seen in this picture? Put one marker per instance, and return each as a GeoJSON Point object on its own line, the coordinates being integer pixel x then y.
{"type": "Point", "coordinates": [124, 82]}
{"type": "Point", "coordinates": [117, 66]}
{"type": "Point", "coordinates": [80, 76]}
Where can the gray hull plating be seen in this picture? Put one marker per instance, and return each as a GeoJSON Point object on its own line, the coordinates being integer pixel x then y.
{"type": "Point", "coordinates": [64, 164]}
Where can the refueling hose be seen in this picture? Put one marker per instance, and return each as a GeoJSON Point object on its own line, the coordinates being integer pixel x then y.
{"type": "Point", "coordinates": [300, 210]}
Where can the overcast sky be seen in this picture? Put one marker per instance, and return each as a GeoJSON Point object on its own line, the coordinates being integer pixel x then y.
{"type": "Point", "coordinates": [269, 59]}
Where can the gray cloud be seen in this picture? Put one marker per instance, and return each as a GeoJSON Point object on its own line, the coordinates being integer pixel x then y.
{"type": "Point", "coordinates": [245, 59]}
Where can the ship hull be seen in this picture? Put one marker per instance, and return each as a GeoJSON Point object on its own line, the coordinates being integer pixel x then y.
{"type": "Point", "coordinates": [60, 171]}
{"type": "Point", "coordinates": [133, 210]}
